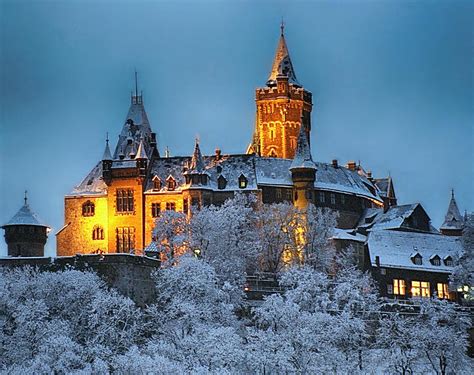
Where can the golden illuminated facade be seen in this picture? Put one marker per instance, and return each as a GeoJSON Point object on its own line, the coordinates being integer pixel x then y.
{"type": "Point", "coordinates": [115, 207]}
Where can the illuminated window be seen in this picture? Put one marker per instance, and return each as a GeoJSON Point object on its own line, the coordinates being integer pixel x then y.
{"type": "Point", "coordinates": [88, 209]}
{"type": "Point", "coordinates": [170, 183]}
{"type": "Point", "coordinates": [293, 142]}
{"type": "Point", "coordinates": [333, 198]}
{"type": "Point", "coordinates": [124, 200]}
{"type": "Point", "coordinates": [442, 290]}
{"type": "Point", "coordinates": [272, 153]}
{"type": "Point", "coordinates": [221, 182]}
{"type": "Point", "coordinates": [448, 261]}
{"type": "Point", "coordinates": [98, 233]}
{"type": "Point", "coordinates": [125, 239]}
{"type": "Point", "coordinates": [420, 289]}
{"type": "Point", "coordinates": [322, 197]}
{"type": "Point", "coordinates": [272, 134]}
{"type": "Point", "coordinates": [399, 287]}
{"type": "Point", "coordinates": [170, 206]}
{"type": "Point", "coordinates": [243, 182]}
{"type": "Point", "coordinates": [156, 183]}
{"type": "Point", "coordinates": [155, 209]}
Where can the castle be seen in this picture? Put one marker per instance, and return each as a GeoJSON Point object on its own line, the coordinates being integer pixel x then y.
{"type": "Point", "coordinates": [114, 208]}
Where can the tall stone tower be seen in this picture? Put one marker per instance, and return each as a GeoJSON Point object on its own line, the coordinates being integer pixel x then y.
{"type": "Point", "coordinates": [25, 233]}
{"type": "Point", "coordinates": [282, 105]}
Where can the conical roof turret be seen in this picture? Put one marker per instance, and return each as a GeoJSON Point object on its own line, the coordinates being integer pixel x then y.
{"type": "Point", "coordinates": [197, 162]}
{"type": "Point", "coordinates": [303, 158]}
{"type": "Point", "coordinates": [107, 154]}
{"type": "Point", "coordinates": [25, 216]}
{"type": "Point", "coordinates": [282, 64]}
{"type": "Point", "coordinates": [453, 218]}
{"type": "Point", "coordinates": [141, 153]}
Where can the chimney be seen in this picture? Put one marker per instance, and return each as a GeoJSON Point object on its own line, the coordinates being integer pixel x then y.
{"type": "Point", "coordinates": [218, 154]}
{"type": "Point", "coordinates": [351, 165]}
{"type": "Point", "coordinates": [369, 175]}
{"type": "Point", "coordinates": [377, 260]}
{"type": "Point", "coordinates": [334, 163]}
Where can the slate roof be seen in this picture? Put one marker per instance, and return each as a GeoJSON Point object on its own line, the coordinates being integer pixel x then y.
{"type": "Point", "coordinates": [282, 64]}
{"type": "Point", "coordinates": [394, 218]}
{"type": "Point", "coordinates": [92, 184]}
{"type": "Point", "coordinates": [303, 158]}
{"type": "Point", "coordinates": [25, 216]}
{"type": "Point", "coordinates": [396, 248]}
{"type": "Point", "coordinates": [348, 235]}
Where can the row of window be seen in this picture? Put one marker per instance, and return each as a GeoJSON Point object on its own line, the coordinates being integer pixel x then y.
{"type": "Point", "coordinates": [332, 198]}
{"type": "Point", "coordinates": [198, 179]}
{"type": "Point", "coordinates": [435, 260]}
{"type": "Point", "coordinates": [417, 289]}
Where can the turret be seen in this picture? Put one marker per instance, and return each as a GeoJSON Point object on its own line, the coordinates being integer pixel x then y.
{"type": "Point", "coordinates": [25, 233]}
{"type": "Point", "coordinates": [107, 162]}
{"type": "Point", "coordinates": [142, 159]}
{"type": "Point", "coordinates": [283, 106]}
{"type": "Point", "coordinates": [453, 224]}
{"type": "Point", "coordinates": [303, 172]}
{"type": "Point", "coordinates": [196, 173]}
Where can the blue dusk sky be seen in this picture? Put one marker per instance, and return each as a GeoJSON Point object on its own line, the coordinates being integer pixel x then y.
{"type": "Point", "coordinates": [392, 85]}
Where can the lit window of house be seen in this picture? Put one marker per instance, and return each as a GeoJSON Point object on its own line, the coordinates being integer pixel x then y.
{"type": "Point", "coordinates": [124, 200]}
{"type": "Point", "coordinates": [98, 233]}
{"type": "Point", "coordinates": [442, 290]}
{"type": "Point", "coordinates": [155, 209]}
{"type": "Point", "coordinates": [399, 287]}
{"type": "Point", "coordinates": [242, 182]}
{"type": "Point", "coordinates": [125, 239]}
{"type": "Point", "coordinates": [170, 206]}
{"type": "Point", "coordinates": [420, 289]}
{"type": "Point", "coordinates": [88, 209]}
{"type": "Point", "coordinates": [333, 198]}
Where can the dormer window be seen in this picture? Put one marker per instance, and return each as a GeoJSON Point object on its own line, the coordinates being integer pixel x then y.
{"type": "Point", "coordinates": [156, 183]}
{"type": "Point", "coordinates": [242, 182]}
{"type": "Point", "coordinates": [435, 260]}
{"type": "Point", "coordinates": [221, 182]}
{"type": "Point", "coordinates": [417, 259]}
{"type": "Point", "coordinates": [170, 183]}
{"type": "Point", "coordinates": [448, 261]}
{"type": "Point", "coordinates": [88, 209]}
{"type": "Point", "coordinates": [219, 169]}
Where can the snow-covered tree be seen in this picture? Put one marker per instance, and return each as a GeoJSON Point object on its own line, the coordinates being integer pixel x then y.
{"type": "Point", "coordinates": [171, 234]}
{"type": "Point", "coordinates": [463, 272]}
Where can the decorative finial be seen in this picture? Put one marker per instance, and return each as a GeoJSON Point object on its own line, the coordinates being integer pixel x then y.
{"type": "Point", "coordinates": [107, 137]}
{"type": "Point", "coordinates": [136, 83]}
{"type": "Point", "coordinates": [26, 197]}
{"type": "Point", "coordinates": [452, 193]}
{"type": "Point", "coordinates": [282, 27]}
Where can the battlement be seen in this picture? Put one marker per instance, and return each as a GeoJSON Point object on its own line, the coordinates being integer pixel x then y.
{"type": "Point", "coordinates": [294, 92]}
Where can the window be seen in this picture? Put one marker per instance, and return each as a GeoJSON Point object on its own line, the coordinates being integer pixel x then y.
{"type": "Point", "coordinates": [417, 259]}
{"type": "Point", "coordinates": [399, 287]}
{"type": "Point", "coordinates": [383, 271]}
{"type": "Point", "coordinates": [98, 233]}
{"type": "Point", "coordinates": [333, 198]}
{"type": "Point", "coordinates": [436, 260]}
{"type": "Point", "coordinates": [272, 134]}
{"type": "Point", "coordinates": [156, 183]}
{"type": "Point", "coordinates": [389, 289]}
{"type": "Point", "coordinates": [448, 261]}
{"type": "Point", "coordinates": [125, 239]}
{"type": "Point", "coordinates": [289, 194]}
{"type": "Point", "coordinates": [420, 289]}
{"type": "Point", "coordinates": [155, 209]}
{"type": "Point", "coordinates": [272, 153]}
{"type": "Point", "coordinates": [243, 182]}
{"type": "Point", "coordinates": [442, 290]}
{"type": "Point", "coordinates": [170, 183]}
{"type": "Point", "coordinates": [185, 205]}
{"type": "Point", "coordinates": [170, 206]}
{"type": "Point", "coordinates": [196, 203]}
{"type": "Point", "coordinates": [343, 199]}
{"type": "Point", "coordinates": [278, 193]}
{"type": "Point", "coordinates": [124, 200]}
{"type": "Point", "coordinates": [322, 197]}
{"type": "Point", "coordinates": [221, 182]}
{"type": "Point", "coordinates": [88, 209]}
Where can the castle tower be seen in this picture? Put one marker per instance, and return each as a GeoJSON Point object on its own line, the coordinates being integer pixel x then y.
{"type": "Point", "coordinates": [282, 106]}
{"type": "Point", "coordinates": [453, 222]}
{"type": "Point", "coordinates": [303, 172]}
{"type": "Point", "coordinates": [25, 233]}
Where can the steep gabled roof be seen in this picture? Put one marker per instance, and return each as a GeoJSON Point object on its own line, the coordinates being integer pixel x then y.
{"type": "Point", "coordinates": [141, 153]}
{"type": "Point", "coordinates": [453, 218]}
{"type": "Point", "coordinates": [107, 155]}
{"type": "Point", "coordinates": [197, 162]}
{"type": "Point", "coordinates": [303, 158]}
{"type": "Point", "coordinates": [282, 63]}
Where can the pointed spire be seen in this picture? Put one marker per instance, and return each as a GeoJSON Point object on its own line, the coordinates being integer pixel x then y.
{"type": "Point", "coordinates": [282, 62]}
{"type": "Point", "coordinates": [25, 216]}
{"type": "Point", "coordinates": [26, 198]}
{"type": "Point", "coordinates": [453, 218]}
{"type": "Point", "coordinates": [303, 158]}
{"type": "Point", "coordinates": [107, 154]}
{"type": "Point", "coordinates": [141, 153]}
{"type": "Point", "coordinates": [197, 163]}
{"type": "Point", "coordinates": [133, 151]}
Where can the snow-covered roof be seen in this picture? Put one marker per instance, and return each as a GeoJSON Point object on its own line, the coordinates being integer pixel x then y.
{"type": "Point", "coordinates": [107, 154]}
{"type": "Point", "coordinates": [93, 184]}
{"type": "Point", "coordinates": [348, 234]}
{"type": "Point", "coordinates": [282, 64]}
{"type": "Point", "coordinates": [453, 218]}
{"type": "Point", "coordinates": [396, 248]}
{"type": "Point", "coordinates": [394, 218]}
{"type": "Point", "coordinates": [141, 153]}
{"type": "Point", "coordinates": [25, 216]}
{"type": "Point", "coordinates": [302, 157]}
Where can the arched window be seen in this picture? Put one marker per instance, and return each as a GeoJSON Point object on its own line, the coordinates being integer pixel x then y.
{"type": "Point", "coordinates": [88, 209]}
{"type": "Point", "coordinates": [221, 182]}
{"type": "Point", "coordinates": [98, 233]}
{"type": "Point", "coordinates": [242, 182]}
{"type": "Point", "coordinates": [272, 153]}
